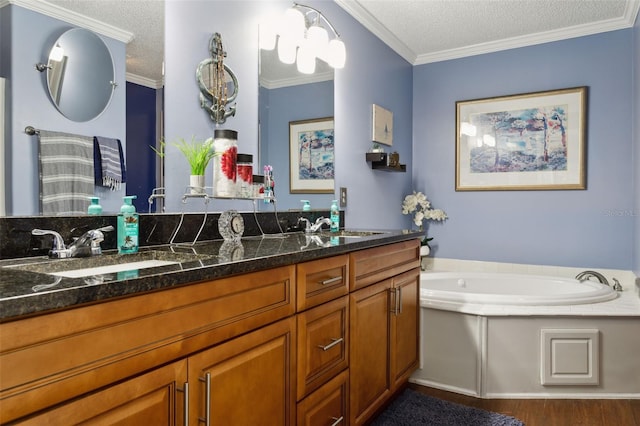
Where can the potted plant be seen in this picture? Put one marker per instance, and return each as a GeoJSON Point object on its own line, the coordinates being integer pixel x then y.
{"type": "Point", "coordinates": [198, 154]}
{"type": "Point", "coordinates": [418, 205]}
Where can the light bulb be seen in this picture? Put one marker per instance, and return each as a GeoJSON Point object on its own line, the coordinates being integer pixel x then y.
{"type": "Point", "coordinates": [318, 41]}
{"type": "Point", "coordinates": [337, 53]}
{"type": "Point", "coordinates": [293, 25]}
{"type": "Point", "coordinates": [267, 37]}
{"type": "Point", "coordinates": [306, 61]}
{"type": "Point", "coordinates": [286, 50]}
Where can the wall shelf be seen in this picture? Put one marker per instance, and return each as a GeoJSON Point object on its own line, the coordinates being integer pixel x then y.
{"type": "Point", "coordinates": [379, 161]}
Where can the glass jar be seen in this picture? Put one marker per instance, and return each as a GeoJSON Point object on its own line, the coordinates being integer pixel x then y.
{"type": "Point", "coordinates": [258, 186]}
{"type": "Point", "coordinates": [244, 176]}
{"type": "Point", "coordinates": [225, 145]}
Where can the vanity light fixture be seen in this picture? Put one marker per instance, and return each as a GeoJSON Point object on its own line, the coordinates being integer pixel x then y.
{"type": "Point", "coordinates": [302, 36]}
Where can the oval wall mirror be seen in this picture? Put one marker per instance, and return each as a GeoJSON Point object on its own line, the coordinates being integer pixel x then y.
{"type": "Point", "coordinates": [80, 75]}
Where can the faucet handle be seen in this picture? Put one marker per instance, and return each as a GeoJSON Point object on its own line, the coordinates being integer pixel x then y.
{"type": "Point", "coordinates": [58, 250]}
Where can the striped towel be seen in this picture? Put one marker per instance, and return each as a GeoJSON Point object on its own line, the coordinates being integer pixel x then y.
{"type": "Point", "coordinates": [109, 162]}
{"type": "Point", "coordinates": [66, 172]}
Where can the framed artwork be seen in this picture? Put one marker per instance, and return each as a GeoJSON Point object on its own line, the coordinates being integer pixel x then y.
{"type": "Point", "coordinates": [311, 156]}
{"type": "Point", "coordinates": [532, 141]}
{"type": "Point", "coordinates": [382, 125]}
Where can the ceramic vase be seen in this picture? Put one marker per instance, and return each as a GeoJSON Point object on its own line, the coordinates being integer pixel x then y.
{"type": "Point", "coordinates": [196, 182]}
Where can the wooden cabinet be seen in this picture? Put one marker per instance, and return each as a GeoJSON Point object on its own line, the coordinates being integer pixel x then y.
{"type": "Point", "coordinates": [324, 342]}
{"type": "Point", "coordinates": [155, 398]}
{"type": "Point", "coordinates": [383, 326]}
{"type": "Point", "coordinates": [246, 381]}
{"type": "Point", "coordinates": [50, 359]}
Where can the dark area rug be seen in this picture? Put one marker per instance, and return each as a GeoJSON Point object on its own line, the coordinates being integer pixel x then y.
{"type": "Point", "coordinates": [414, 408]}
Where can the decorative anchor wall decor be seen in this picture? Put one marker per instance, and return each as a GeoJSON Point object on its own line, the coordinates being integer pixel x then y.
{"type": "Point", "coordinates": [218, 84]}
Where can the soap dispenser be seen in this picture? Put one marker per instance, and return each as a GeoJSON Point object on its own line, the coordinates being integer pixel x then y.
{"type": "Point", "coordinates": [94, 208]}
{"type": "Point", "coordinates": [335, 216]}
{"type": "Point", "coordinates": [306, 205]}
{"type": "Point", "coordinates": [128, 227]}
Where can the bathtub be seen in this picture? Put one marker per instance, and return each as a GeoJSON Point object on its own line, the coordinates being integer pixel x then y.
{"type": "Point", "coordinates": [509, 289]}
{"type": "Point", "coordinates": [499, 335]}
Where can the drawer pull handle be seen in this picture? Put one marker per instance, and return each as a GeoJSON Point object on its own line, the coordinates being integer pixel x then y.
{"type": "Point", "coordinates": [331, 280]}
{"type": "Point", "coordinates": [332, 344]}
{"type": "Point", "coordinates": [337, 421]}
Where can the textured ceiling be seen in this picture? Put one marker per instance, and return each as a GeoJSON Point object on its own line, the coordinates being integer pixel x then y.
{"type": "Point", "coordinates": [421, 31]}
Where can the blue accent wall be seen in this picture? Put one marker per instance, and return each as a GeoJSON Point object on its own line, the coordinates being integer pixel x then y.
{"type": "Point", "coordinates": [591, 228]}
{"type": "Point", "coordinates": [598, 227]}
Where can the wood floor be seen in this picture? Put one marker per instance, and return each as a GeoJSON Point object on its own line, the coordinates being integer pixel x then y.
{"type": "Point", "coordinates": [552, 412]}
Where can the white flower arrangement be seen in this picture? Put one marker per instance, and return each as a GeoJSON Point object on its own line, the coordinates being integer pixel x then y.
{"type": "Point", "coordinates": [418, 205]}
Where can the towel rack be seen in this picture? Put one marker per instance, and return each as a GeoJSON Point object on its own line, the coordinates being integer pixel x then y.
{"type": "Point", "coordinates": [30, 130]}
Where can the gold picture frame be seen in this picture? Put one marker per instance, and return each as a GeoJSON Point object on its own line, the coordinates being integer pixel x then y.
{"type": "Point", "coordinates": [531, 141]}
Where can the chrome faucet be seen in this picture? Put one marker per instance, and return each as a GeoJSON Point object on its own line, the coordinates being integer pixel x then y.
{"type": "Point", "coordinates": [584, 275]}
{"type": "Point", "coordinates": [309, 228]}
{"type": "Point", "coordinates": [87, 245]}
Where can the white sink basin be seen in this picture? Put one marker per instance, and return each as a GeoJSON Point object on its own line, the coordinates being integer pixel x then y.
{"type": "Point", "coordinates": [110, 269]}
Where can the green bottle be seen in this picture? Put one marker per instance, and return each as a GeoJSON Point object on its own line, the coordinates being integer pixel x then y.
{"type": "Point", "coordinates": [335, 216]}
{"type": "Point", "coordinates": [128, 227]}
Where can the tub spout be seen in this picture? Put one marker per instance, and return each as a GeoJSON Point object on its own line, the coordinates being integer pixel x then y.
{"type": "Point", "coordinates": [584, 275]}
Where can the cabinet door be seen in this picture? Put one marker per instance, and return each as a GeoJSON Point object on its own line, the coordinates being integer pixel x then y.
{"type": "Point", "coordinates": [246, 381]}
{"type": "Point", "coordinates": [155, 398]}
{"type": "Point", "coordinates": [369, 353]}
{"type": "Point", "coordinates": [405, 320]}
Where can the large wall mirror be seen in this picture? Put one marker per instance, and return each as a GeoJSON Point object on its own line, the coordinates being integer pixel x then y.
{"type": "Point", "coordinates": [80, 75]}
{"type": "Point", "coordinates": [286, 95]}
{"type": "Point", "coordinates": [278, 85]}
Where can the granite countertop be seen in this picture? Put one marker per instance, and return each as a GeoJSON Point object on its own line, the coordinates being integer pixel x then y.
{"type": "Point", "coordinates": [27, 286]}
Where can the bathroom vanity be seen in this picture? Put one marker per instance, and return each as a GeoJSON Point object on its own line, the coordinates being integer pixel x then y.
{"type": "Point", "coordinates": [281, 332]}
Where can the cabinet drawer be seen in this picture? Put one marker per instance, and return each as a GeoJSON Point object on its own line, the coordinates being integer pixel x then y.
{"type": "Point", "coordinates": [376, 264]}
{"type": "Point", "coordinates": [323, 352]}
{"type": "Point", "coordinates": [322, 280]}
{"type": "Point", "coordinates": [328, 405]}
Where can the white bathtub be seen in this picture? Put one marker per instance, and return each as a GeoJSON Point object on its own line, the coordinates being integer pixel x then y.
{"type": "Point", "coordinates": [499, 335]}
{"type": "Point", "coordinates": [450, 288]}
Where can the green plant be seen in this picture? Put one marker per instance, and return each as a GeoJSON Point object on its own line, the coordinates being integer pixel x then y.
{"type": "Point", "coordinates": [198, 154]}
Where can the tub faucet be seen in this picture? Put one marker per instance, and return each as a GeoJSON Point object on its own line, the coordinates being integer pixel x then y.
{"type": "Point", "coordinates": [584, 275]}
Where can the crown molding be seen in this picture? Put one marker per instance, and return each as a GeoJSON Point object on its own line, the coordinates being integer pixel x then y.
{"type": "Point", "coordinates": [144, 81]}
{"type": "Point", "coordinates": [296, 81]}
{"type": "Point", "coordinates": [626, 21]}
{"type": "Point", "coordinates": [73, 18]}
{"type": "Point", "coordinates": [372, 24]}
